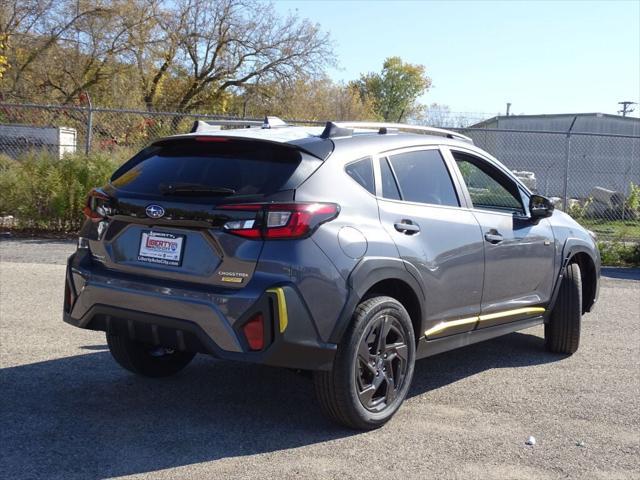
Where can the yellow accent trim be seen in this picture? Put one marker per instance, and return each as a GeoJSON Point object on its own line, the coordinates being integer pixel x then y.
{"type": "Point", "coordinates": [283, 318]}
{"type": "Point", "coordinates": [509, 313]}
{"type": "Point", "coordinates": [481, 318]}
{"type": "Point", "coordinates": [452, 323]}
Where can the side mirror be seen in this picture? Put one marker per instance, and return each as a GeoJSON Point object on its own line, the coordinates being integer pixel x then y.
{"type": "Point", "coordinates": [540, 207]}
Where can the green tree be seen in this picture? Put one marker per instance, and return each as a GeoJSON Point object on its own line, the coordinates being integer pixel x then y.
{"type": "Point", "coordinates": [394, 91]}
{"type": "Point", "coordinates": [632, 203]}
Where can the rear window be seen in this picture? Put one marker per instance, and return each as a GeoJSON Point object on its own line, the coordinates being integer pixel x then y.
{"type": "Point", "coordinates": [362, 172]}
{"type": "Point", "coordinates": [245, 167]}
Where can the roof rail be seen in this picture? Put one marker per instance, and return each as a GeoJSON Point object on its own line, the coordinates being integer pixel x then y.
{"type": "Point", "coordinates": [213, 125]}
{"type": "Point", "coordinates": [200, 126]}
{"type": "Point", "coordinates": [345, 129]}
{"type": "Point", "coordinates": [274, 122]}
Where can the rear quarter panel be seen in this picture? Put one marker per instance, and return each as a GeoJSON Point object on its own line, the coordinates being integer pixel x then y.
{"type": "Point", "coordinates": [356, 233]}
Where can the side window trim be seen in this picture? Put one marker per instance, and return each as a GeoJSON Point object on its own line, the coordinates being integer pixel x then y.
{"type": "Point", "coordinates": [377, 175]}
{"type": "Point", "coordinates": [463, 192]}
{"type": "Point", "coordinates": [395, 177]}
{"type": "Point", "coordinates": [458, 182]}
{"type": "Point", "coordinates": [467, 196]}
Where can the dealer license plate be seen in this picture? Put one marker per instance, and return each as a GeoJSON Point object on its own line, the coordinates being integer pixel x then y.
{"type": "Point", "coordinates": [161, 248]}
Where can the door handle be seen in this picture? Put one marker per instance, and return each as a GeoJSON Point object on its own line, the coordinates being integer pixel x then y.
{"type": "Point", "coordinates": [493, 237]}
{"type": "Point", "coordinates": [407, 227]}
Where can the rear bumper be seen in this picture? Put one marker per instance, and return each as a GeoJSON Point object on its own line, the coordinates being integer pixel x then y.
{"type": "Point", "coordinates": [196, 319]}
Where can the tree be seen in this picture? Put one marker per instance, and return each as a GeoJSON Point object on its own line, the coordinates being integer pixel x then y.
{"type": "Point", "coordinates": [97, 59]}
{"type": "Point", "coordinates": [317, 99]}
{"type": "Point", "coordinates": [212, 48]}
{"type": "Point", "coordinates": [181, 54]}
{"type": "Point", "coordinates": [3, 56]}
{"type": "Point", "coordinates": [394, 91]}
{"type": "Point", "coordinates": [31, 29]}
{"type": "Point", "coordinates": [153, 51]}
{"type": "Point", "coordinates": [439, 115]}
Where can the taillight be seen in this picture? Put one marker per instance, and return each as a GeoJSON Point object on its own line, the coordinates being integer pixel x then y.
{"type": "Point", "coordinates": [254, 332]}
{"type": "Point", "coordinates": [280, 220]}
{"type": "Point", "coordinates": [96, 207]}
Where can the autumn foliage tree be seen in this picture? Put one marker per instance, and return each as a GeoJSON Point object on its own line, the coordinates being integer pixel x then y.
{"type": "Point", "coordinates": [3, 56]}
{"type": "Point", "coordinates": [316, 99]}
{"type": "Point", "coordinates": [394, 90]}
{"type": "Point", "coordinates": [186, 55]}
{"type": "Point", "coordinates": [231, 57]}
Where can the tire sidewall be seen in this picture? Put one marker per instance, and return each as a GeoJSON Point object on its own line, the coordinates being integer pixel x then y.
{"type": "Point", "coordinates": [562, 331]}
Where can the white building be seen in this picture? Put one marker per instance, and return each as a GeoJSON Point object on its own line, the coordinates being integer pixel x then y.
{"type": "Point", "coordinates": [18, 139]}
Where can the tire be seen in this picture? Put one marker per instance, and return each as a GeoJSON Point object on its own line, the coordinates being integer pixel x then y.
{"type": "Point", "coordinates": [352, 394]}
{"type": "Point", "coordinates": [562, 331]}
{"type": "Point", "coordinates": [145, 359]}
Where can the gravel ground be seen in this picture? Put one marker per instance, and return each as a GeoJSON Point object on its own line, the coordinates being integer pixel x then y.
{"type": "Point", "coordinates": [68, 411]}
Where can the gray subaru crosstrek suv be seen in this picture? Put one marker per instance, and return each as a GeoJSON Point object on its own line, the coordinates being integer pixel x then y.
{"type": "Point", "coordinates": [349, 251]}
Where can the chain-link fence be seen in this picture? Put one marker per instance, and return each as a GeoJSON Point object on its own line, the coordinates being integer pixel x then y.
{"type": "Point", "coordinates": [63, 129]}
{"type": "Point", "coordinates": [594, 177]}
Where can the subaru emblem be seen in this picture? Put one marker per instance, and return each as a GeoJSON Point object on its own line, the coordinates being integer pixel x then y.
{"type": "Point", "coordinates": [154, 211]}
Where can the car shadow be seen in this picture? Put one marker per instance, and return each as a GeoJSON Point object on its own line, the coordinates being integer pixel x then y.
{"type": "Point", "coordinates": [84, 417]}
{"type": "Point", "coordinates": [510, 351]}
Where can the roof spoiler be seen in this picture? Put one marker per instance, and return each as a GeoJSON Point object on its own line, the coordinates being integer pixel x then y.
{"type": "Point", "coordinates": [200, 126]}
{"type": "Point", "coordinates": [345, 129]}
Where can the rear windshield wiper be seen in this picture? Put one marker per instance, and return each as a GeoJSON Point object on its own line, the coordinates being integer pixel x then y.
{"type": "Point", "coordinates": [194, 189]}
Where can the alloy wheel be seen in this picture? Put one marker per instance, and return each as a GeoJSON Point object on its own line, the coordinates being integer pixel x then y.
{"type": "Point", "coordinates": [382, 363]}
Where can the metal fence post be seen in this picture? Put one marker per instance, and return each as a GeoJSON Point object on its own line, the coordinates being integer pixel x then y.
{"type": "Point", "coordinates": [567, 159]}
{"type": "Point", "coordinates": [89, 133]}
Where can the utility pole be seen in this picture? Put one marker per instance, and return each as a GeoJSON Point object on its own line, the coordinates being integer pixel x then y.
{"type": "Point", "coordinates": [508, 108]}
{"type": "Point", "coordinates": [625, 107]}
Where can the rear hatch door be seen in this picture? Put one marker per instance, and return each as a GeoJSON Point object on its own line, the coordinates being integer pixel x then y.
{"type": "Point", "coordinates": [169, 207]}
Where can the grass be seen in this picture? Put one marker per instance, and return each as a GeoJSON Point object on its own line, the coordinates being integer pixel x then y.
{"type": "Point", "coordinates": [613, 229]}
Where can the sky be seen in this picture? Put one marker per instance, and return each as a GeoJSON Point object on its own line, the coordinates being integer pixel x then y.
{"type": "Point", "coordinates": [542, 56]}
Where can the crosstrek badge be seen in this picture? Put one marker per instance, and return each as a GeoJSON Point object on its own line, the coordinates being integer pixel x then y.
{"type": "Point", "coordinates": [232, 277]}
{"type": "Point", "coordinates": [161, 248]}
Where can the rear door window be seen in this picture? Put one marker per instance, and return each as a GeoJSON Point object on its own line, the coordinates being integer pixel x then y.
{"type": "Point", "coordinates": [423, 177]}
{"type": "Point", "coordinates": [239, 167]}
